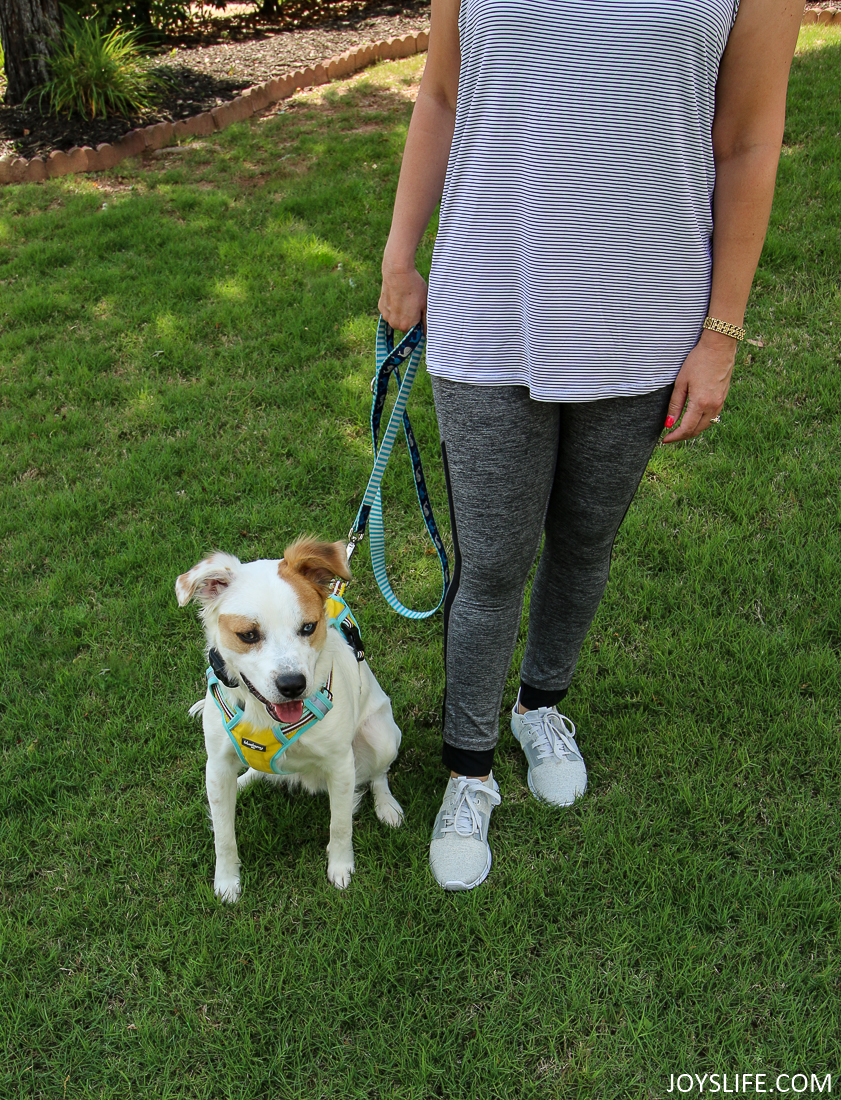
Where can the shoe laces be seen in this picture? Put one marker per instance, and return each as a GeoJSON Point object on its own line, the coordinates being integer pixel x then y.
{"type": "Point", "coordinates": [466, 818]}
{"type": "Point", "coordinates": [553, 733]}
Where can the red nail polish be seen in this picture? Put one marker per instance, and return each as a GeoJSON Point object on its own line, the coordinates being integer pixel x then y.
{"type": "Point", "coordinates": [670, 421]}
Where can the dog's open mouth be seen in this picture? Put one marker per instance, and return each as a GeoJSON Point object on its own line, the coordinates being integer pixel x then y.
{"type": "Point", "coordinates": [286, 712]}
{"type": "Point", "coordinates": [280, 712]}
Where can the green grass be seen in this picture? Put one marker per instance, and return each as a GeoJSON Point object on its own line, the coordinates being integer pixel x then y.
{"type": "Point", "coordinates": [184, 362]}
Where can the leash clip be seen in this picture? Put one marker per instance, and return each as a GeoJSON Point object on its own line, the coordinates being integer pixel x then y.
{"type": "Point", "coordinates": [354, 537]}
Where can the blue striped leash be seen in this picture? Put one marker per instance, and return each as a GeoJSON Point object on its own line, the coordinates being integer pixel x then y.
{"type": "Point", "coordinates": [390, 360]}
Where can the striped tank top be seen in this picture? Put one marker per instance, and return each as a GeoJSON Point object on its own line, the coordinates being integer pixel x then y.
{"type": "Point", "coordinates": [573, 252]}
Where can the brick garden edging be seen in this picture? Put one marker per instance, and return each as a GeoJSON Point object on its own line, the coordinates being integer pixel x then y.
{"type": "Point", "coordinates": [136, 142]}
{"type": "Point", "coordinates": [826, 15]}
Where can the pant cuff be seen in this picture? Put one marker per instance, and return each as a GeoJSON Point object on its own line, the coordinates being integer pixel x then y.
{"type": "Point", "coordinates": [471, 762]}
{"type": "Point", "coordinates": [532, 698]}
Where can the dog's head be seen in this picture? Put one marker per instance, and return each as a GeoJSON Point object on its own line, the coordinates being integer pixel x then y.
{"type": "Point", "coordinates": [267, 620]}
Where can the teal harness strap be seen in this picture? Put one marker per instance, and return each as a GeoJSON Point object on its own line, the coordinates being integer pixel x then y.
{"type": "Point", "coordinates": [337, 620]}
{"type": "Point", "coordinates": [318, 704]}
{"type": "Point", "coordinates": [231, 716]}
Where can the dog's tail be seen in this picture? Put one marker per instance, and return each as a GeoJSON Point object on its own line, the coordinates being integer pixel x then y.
{"type": "Point", "coordinates": [197, 708]}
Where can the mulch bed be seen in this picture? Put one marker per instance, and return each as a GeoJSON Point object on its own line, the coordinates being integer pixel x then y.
{"type": "Point", "coordinates": [236, 56]}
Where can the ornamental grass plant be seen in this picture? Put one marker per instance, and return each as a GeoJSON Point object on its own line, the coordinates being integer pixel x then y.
{"type": "Point", "coordinates": [96, 72]}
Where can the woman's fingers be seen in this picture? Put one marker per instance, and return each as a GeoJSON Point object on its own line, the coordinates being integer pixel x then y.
{"type": "Point", "coordinates": [697, 416]}
{"type": "Point", "coordinates": [401, 317]}
{"type": "Point", "coordinates": [695, 420]}
{"type": "Point", "coordinates": [677, 403]}
{"type": "Point", "coordinates": [700, 390]}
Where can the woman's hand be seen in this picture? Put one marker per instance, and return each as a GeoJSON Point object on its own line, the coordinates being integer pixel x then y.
{"type": "Point", "coordinates": [403, 296]}
{"type": "Point", "coordinates": [701, 386]}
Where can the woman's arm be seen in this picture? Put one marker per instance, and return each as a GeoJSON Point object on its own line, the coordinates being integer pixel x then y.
{"type": "Point", "coordinates": [403, 297]}
{"type": "Point", "coordinates": [747, 137]}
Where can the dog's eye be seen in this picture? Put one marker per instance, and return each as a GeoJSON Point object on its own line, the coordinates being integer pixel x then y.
{"type": "Point", "coordinates": [308, 628]}
{"type": "Point", "coordinates": [249, 636]}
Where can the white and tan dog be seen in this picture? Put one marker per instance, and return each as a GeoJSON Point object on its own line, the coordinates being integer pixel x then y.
{"type": "Point", "coordinates": [267, 622]}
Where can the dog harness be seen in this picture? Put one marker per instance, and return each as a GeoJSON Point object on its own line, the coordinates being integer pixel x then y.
{"type": "Point", "coordinates": [262, 749]}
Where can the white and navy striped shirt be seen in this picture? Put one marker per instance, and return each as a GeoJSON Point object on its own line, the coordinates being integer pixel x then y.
{"type": "Point", "coordinates": [573, 250]}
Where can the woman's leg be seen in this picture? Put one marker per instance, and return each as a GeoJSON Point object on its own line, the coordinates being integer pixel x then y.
{"type": "Point", "coordinates": [603, 450]}
{"type": "Point", "coordinates": [499, 451]}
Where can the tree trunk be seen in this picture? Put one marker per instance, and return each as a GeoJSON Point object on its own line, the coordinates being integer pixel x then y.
{"type": "Point", "coordinates": [29, 30]}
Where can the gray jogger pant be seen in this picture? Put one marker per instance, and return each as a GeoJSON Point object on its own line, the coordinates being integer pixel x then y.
{"type": "Point", "coordinates": [517, 468]}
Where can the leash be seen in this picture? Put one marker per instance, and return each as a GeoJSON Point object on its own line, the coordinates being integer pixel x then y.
{"type": "Point", "coordinates": [390, 360]}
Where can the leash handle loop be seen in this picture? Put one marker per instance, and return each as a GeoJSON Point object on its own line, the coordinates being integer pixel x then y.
{"type": "Point", "coordinates": [389, 361]}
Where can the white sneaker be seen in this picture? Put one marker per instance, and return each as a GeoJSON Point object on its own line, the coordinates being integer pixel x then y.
{"type": "Point", "coordinates": [557, 773]}
{"type": "Point", "coordinates": [459, 854]}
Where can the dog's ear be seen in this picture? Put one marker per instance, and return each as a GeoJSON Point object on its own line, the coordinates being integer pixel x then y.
{"type": "Point", "coordinates": [318, 562]}
{"type": "Point", "coordinates": [207, 581]}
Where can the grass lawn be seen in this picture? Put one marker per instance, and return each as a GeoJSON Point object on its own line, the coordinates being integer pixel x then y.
{"type": "Point", "coordinates": [184, 364]}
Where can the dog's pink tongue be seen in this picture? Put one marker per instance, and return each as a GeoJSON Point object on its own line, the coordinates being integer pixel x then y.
{"type": "Point", "coordinates": [288, 712]}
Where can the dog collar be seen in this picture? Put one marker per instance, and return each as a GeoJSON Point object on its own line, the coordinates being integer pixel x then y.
{"type": "Point", "coordinates": [263, 748]}
{"type": "Point", "coordinates": [220, 669]}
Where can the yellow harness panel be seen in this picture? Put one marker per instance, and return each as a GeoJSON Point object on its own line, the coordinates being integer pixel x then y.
{"type": "Point", "coordinates": [256, 747]}
{"type": "Point", "coordinates": [262, 748]}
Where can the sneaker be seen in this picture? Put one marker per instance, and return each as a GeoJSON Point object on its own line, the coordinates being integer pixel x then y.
{"type": "Point", "coordinates": [557, 774]}
{"type": "Point", "coordinates": [459, 854]}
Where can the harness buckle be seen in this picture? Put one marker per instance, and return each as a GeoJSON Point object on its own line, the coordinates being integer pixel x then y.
{"type": "Point", "coordinates": [319, 707]}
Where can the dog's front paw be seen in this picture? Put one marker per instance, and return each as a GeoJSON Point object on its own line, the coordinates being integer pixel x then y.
{"type": "Point", "coordinates": [227, 888]}
{"type": "Point", "coordinates": [339, 872]}
{"type": "Point", "coordinates": [389, 811]}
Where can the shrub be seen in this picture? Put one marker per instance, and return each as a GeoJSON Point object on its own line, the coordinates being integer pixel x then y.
{"type": "Point", "coordinates": [98, 72]}
{"type": "Point", "coordinates": [148, 15]}
{"type": "Point", "coordinates": [155, 17]}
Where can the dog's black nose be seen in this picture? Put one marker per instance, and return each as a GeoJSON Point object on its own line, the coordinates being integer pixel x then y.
{"type": "Point", "coordinates": [292, 685]}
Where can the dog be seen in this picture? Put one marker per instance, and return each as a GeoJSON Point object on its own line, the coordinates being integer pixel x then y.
{"type": "Point", "coordinates": [288, 696]}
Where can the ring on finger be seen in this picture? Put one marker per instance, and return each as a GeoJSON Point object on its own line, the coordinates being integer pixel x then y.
{"type": "Point", "coordinates": [715, 419]}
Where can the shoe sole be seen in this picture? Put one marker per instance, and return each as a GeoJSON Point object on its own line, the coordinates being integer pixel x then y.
{"type": "Point", "coordinates": [539, 797]}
